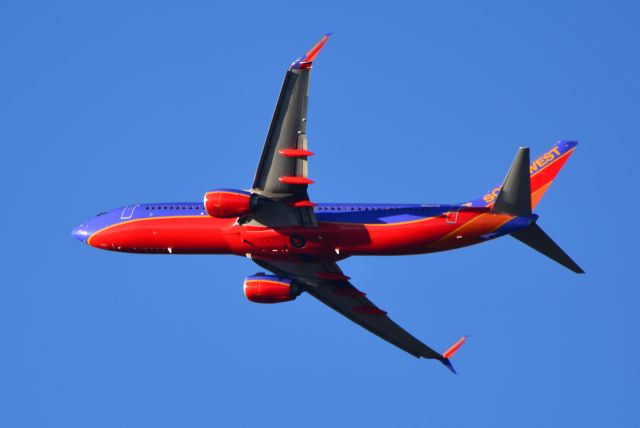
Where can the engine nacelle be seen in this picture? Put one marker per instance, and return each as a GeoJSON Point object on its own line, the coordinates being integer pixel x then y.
{"type": "Point", "coordinates": [269, 289]}
{"type": "Point", "coordinates": [227, 203]}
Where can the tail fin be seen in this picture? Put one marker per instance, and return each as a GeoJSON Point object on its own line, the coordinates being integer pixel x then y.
{"type": "Point", "coordinates": [542, 172]}
{"type": "Point", "coordinates": [545, 168]}
{"type": "Point", "coordinates": [535, 237]}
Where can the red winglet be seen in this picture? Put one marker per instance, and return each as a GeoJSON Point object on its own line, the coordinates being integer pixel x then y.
{"type": "Point", "coordinates": [295, 153]}
{"type": "Point", "coordinates": [295, 180]}
{"type": "Point", "coordinates": [305, 61]}
{"type": "Point", "coordinates": [454, 348]}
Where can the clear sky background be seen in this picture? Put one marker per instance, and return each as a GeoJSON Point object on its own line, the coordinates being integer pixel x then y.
{"type": "Point", "coordinates": [112, 103]}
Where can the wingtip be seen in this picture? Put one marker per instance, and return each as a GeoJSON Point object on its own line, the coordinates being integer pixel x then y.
{"type": "Point", "coordinates": [454, 348]}
{"type": "Point", "coordinates": [451, 352]}
{"type": "Point", "coordinates": [305, 61]}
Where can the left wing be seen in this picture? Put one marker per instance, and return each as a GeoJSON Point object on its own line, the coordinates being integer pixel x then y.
{"type": "Point", "coordinates": [282, 173]}
{"type": "Point", "coordinates": [327, 283]}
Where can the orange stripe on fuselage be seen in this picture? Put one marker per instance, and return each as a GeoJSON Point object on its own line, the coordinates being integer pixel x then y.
{"type": "Point", "coordinates": [471, 230]}
{"type": "Point", "coordinates": [421, 237]}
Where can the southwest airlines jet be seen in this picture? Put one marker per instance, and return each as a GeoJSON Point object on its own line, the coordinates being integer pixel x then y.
{"type": "Point", "coordinates": [276, 224]}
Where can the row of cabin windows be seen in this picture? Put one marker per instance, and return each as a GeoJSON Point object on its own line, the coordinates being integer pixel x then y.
{"type": "Point", "coordinates": [366, 208]}
{"type": "Point", "coordinates": [171, 207]}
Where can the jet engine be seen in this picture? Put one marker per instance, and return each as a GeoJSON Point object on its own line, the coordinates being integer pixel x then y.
{"type": "Point", "coordinates": [261, 288]}
{"type": "Point", "coordinates": [227, 203]}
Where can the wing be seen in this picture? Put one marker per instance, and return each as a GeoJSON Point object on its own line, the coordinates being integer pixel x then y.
{"type": "Point", "coordinates": [327, 283]}
{"type": "Point", "coordinates": [282, 173]}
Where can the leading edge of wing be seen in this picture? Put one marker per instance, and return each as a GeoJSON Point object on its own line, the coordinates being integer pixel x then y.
{"type": "Point", "coordinates": [327, 283]}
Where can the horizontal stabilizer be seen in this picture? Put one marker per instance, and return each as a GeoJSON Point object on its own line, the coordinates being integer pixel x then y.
{"type": "Point", "coordinates": [515, 196]}
{"type": "Point", "coordinates": [535, 237]}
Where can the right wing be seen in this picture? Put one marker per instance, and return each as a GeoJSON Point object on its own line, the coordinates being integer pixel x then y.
{"type": "Point", "coordinates": [282, 173]}
{"type": "Point", "coordinates": [327, 283]}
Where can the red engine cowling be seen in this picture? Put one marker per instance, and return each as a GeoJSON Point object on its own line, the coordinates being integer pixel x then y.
{"type": "Point", "coordinates": [269, 289]}
{"type": "Point", "coordinates": [228, 203]}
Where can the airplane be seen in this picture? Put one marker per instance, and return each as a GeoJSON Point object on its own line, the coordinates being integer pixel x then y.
{"type": "Point", "coordinates": [299, 242]}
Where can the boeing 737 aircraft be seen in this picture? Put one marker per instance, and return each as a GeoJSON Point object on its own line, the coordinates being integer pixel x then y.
{"type": "Point", "coordinates": [276, 225]}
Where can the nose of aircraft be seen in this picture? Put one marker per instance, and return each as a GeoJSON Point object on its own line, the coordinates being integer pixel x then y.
{"type": "Point", "coordinates": [80, 233]}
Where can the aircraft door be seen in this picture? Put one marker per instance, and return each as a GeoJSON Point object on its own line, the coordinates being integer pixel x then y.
{"type": "Point", "coordinates": [127, 212]}
{"type": "Point", "coordinates": [452, 215]}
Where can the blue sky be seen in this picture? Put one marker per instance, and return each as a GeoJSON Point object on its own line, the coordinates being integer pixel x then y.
{"type": "Point", "coordinates": [111, 103]}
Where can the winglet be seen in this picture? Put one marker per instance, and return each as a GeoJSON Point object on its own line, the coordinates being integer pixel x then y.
{"type": "Point", "coordinates": [450, 352]}
{"type": "Point", "coordinates": [304, 62]}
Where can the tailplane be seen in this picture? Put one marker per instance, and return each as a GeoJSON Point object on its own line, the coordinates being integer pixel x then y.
{"type": "Point", "coordinates": [535, 237]}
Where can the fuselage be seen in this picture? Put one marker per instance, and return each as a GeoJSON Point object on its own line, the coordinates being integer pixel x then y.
{"type": "Point", "coordinates": [343, 230]}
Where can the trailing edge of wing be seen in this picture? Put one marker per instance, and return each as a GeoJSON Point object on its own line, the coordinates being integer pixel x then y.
{"type": "Point", "coordinates": [327, 283]}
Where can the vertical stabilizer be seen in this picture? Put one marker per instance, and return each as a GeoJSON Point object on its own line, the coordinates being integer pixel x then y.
{"type": "Point", "coordinates": [515, 196]}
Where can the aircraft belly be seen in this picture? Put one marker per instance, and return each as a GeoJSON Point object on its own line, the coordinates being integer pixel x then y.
{"type": "Point", "coordinates": [189, 234]}
{"type": "Point", "coordinates": [429, 235]}
{"type": "Point", "coordinates": [284, 243]}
